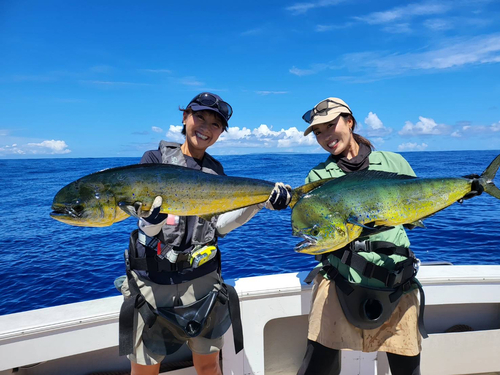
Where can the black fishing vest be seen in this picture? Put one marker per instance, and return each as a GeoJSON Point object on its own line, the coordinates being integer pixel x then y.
{"type": "Point", "coordinates": [203, 231]}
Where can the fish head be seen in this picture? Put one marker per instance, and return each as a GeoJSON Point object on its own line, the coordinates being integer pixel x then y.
{"type": "Point", "coordinates": [322, 229]}
{"type": "Point", "coordinates": [86, 204]}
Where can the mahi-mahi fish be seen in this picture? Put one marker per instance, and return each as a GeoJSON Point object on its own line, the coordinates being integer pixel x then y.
{"type": "Point", "coordinates": [367, 202]}
{"type": "Point", "coordinates": [101, 199]}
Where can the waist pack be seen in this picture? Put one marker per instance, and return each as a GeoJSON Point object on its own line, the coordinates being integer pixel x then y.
{"type": "Point", "coordinates": [208, 317]}
{"type": "Point", "coordinates": [369, 307]}
{"type": "Point", "coordinates": [166, 329]}
{"type": "Point", "coordinates": [366, 307]}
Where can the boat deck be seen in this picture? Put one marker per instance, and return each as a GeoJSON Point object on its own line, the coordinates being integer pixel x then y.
{"type": "Point", "coordinates": [82, 338]}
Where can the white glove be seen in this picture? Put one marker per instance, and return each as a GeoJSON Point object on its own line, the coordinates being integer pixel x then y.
{"type": "Point", "coordinates": [136, 209]}
{"type": "Point", "coordinates": [280, 197]}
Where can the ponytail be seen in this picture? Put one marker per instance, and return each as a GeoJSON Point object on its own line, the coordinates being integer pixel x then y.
{"type": "Point", "coordinates": [363, 140]}
{"type": "Point", "coordinates": [358, 138]}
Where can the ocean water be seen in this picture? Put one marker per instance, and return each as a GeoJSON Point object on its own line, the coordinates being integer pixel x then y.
{"type": "Point", "coordinates": [47, 263]}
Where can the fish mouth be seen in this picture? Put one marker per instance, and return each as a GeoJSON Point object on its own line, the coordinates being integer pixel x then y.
{"type": "Point", "coordinates": [309, 241]}
{"type": "Point", "coordinates": [65, 211]}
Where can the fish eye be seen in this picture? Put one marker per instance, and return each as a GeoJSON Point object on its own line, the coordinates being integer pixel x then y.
{"type": "Point", "coordinates": [315, 231]}
{"type": "Point", "coordinates": [77, 205]}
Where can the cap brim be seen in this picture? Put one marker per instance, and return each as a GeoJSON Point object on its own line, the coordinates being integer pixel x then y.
{"type": "Point", "coordinates": [332, 115]}
{"type": "Point", "coordinates": [196, 107]}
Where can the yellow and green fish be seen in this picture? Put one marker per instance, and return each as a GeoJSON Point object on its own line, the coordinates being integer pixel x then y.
{"type": "Point", "coordinates": [95, 200]}
{"type": "Point", "coordinates": [367, 202]}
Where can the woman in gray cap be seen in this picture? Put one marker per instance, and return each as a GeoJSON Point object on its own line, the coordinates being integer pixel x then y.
{"type": "Point", "coordinates": [174, 293]}
{"type": "Point", "coordinates": [356, 304]}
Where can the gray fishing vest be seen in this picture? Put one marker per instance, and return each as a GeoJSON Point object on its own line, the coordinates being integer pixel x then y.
{"type": "Point", "coordinates": [203, 231]}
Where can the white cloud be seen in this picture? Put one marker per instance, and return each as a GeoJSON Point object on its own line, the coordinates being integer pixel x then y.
{"type": "Point", "coordinates": [234, 132]}
{"type": "Point", "coordinates": [157, 129]}
{"type": "Point", "coordinates": [475, 130]}
{"type": "Point", "coordinates": [264, 137]}
{"type": "Point", "coordinates": [438, 24]}
{"type": "Point", "coordinates": [323, 28]}
{"type": "Point", "coordinates": [271, 92]}
{"type": "Point", "coordinates": [404, 12]}
{"type": "Point", "coordinates": [174, 133]}
{"type": "Point", "coordinates": [315, 68]}
{"type": "Point", "coordinates": [451, 54]}
{"type": "Point", "coordinates": [156, 71]}
{"type": "Point", "coordinates": [412, 147]}
{"type": "Point", "coordinates": [51, 147]}
{"type": "Point", "coordinates": [301, 8]}
{"type": "Point", "coordinates": [375, 126]}
{"type": "Point", "coordinates": [260, 137]}
{"type": "Point", "coordinates": [251, 32]}
{"type": "Point", "coordinates": [426, 126]}
{"type": "Point", "coordinates": [111, 84]}
{"type": "Point", "coordinates": [377, 141]}
{"type": "Point", "coordinates": [264, 131]}
{"type": "Point", "coordinates": [337, 26]}
{"type": "Point", "coordinates": [399, 28]}
{"type": "Point", "coordinates": [295, 137]}
{"type": "Point", "coordinates": [190, 81]}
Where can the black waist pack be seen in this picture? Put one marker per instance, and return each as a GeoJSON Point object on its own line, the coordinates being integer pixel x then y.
{"type": "Point", "coordinates": [208, 317]}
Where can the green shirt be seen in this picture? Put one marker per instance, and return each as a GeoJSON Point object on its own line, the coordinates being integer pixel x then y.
{"type": "Point", "coordinates": [379, 161]}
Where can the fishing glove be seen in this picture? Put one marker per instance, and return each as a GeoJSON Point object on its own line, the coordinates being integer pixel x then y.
{"type": "Point", "coordinates": [153, 216]}
{"type": "Point", "coordinates": [476, 189]}
{"type": "Point", "coordinates": [280, 197]}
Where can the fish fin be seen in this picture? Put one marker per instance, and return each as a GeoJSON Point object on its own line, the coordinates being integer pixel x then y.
{"type": "Point", "coordinates": [300, 191]}
{"type": "Point", "coordinates": [487, 177]}
{"type": "Point", "coordinates": [370, 231]}
{"type": "Point", "coordinates": [353, 221]}
{"type": "Point", "coordinates": [370, 175]}
{"type": "Point", "coordinates": [417, 223]}
{"type": "Point", "coordinates": [208, 217]}
{"type": "Point", "coordinates": [129, 208]}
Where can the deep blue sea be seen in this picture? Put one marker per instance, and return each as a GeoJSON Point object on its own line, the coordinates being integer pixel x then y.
{"type": "Point", "coordinates": [46, 263]}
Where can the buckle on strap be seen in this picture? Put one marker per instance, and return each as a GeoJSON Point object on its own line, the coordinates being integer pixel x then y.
{"type": "Point", "coordinates": [394, 278]}
{"type": "Point", "coordinates": [358, 246]}
{"type": "Point", "coordinates": [147, 241]}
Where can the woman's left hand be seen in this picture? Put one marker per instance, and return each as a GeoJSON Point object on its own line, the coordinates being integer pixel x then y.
{"type": "Point", "coordinates": [280, 197]}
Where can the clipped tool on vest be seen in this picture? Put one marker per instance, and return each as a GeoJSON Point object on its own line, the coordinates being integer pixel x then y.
{"type": "Point", "coordinates": [201, 255]}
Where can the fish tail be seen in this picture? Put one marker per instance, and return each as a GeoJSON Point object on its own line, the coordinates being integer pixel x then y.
{"type": "Point", "coordinates": [487, 177]}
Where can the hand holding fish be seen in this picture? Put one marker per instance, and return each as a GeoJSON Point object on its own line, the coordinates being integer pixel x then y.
{"type": "Point", "coordinates": [476, 188]}
{"type": "Point", "coordinates": [135, 210]}
{"type": "Point", "coordinates": [280, 197]}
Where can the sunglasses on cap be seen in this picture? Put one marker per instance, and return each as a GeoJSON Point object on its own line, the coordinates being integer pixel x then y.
{"type": "Point", "coordinates": [206, 99]}
{"type": "Point", "coordinates": [322, 109]}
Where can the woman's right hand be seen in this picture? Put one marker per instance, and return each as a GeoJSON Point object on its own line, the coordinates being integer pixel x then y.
{"type": "Point", "coordinates": [280, 197]}
{"type": "Point", "coordinates": [152, 215]}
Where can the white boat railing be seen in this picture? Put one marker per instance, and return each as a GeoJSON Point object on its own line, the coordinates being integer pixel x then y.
{"type": "Point", "coordinates": [82, 338]}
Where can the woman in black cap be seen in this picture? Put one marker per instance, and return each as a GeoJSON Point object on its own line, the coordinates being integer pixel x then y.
{"type": "Point", "coordinates": [173, 278]}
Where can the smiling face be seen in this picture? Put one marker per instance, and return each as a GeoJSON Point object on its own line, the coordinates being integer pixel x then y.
{"type": "Point", "coordinates": [336, 137]}
{"type": "Point", "coordinates": [203, 129]}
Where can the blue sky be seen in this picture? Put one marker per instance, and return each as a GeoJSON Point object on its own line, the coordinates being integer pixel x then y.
{"type": "Point", "coordinates": [106, 78]}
